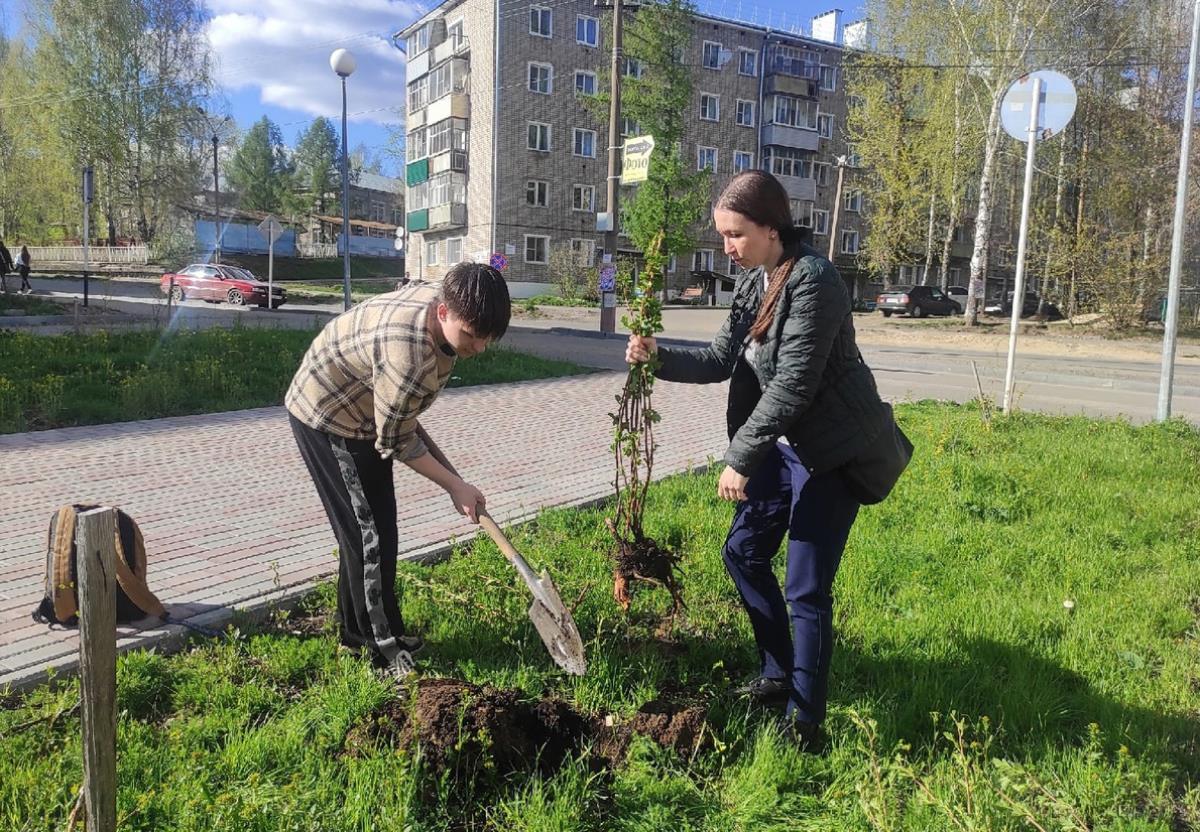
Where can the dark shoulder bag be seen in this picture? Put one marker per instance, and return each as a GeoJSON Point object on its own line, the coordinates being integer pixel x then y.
{"type": "Point", "coordinates": [873, 474]}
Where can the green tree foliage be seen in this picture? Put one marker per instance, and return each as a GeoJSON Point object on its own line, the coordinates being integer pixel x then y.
{"type": "Point", "coordinates": [317, 166]}
{"type": "Point", "coordinates": [260, 170]}
{"type": "Point", "coordinates": [658, 98]}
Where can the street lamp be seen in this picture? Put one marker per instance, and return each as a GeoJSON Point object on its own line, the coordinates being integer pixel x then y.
{"type": "Point", "coordinates": [342, 62]}
{"type": "Point", "coordinates": [216, 126]}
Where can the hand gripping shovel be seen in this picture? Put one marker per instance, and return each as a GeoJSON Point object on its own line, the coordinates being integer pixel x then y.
{"type": "Point", "coordinates": [548, 613]}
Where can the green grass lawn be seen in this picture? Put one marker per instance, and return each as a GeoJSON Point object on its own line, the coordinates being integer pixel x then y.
{"type": "Point", "coordinates": [59, 381]}
{"type": "Point", "coordinates": [29, 305]}
{"type": "Point", "coordinates": [964, 695]}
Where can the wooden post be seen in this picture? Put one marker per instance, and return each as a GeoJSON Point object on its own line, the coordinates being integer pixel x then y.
{"type": "Point", "coordinates": [95, 537]}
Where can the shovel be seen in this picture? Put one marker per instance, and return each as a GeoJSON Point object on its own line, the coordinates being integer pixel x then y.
{"type": "Point", "coordinates": [548, 613]}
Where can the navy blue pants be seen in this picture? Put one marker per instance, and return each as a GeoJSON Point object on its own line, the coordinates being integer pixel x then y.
{"type": "Point", "coordinates": [793, 626]}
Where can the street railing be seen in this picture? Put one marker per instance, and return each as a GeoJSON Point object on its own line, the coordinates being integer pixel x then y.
{"type": "Point", "coordinates": [99, 255]}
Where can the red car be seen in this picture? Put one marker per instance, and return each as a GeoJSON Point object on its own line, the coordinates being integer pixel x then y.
{"type": "Point", "coordinates": [216, 283]}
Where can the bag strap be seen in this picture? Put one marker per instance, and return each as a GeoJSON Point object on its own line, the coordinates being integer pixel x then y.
{"type": "Point", "coordinates": [133, 581]}
{"type": "Point", "coordinates": [62, 588]}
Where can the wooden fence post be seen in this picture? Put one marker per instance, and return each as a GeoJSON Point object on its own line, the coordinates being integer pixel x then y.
{"type": "Point", "coordinates": [95, 538]}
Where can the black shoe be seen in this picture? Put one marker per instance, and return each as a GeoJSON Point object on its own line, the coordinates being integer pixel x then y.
{"type": "Point", "coordinates": [766, 691]}
{"type": "Point", "coordinates": [808, 736]}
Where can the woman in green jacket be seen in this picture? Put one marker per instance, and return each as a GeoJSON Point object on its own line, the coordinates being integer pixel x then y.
{"type": "Point", "coordinates": [802, 405]}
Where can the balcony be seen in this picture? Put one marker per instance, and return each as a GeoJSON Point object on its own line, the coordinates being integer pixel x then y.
{"type": "Point", "coordinates": [418, 66]}
{"type": "Point", "coordinates": [415, 119]}
{"type": "Point", "coordinates": [453, 160]}
{"type": "Point", "coordinates": [789, 85]}
{"type": "Point", "coordinates": [451, 215]}
{"type": "Point", "coordinates": [418, 220]}
{"type": "Point", "coordinates": [798, 187]}
{"type": "Point", "coordinates": [784, 136]}
{"type": "Point", "coordinates": [454, 105]}
{"type": "Point", "coordinates": [417, 172]}
{"type": "Point", "coordinates": [448, 49]}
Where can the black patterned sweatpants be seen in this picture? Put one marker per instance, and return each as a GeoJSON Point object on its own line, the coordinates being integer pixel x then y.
{"type": "Point", "coordinates": [356, 488]}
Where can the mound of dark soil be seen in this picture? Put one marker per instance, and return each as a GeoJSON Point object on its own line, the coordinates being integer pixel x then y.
{"type": "Point", "coordinates": [460, 725]}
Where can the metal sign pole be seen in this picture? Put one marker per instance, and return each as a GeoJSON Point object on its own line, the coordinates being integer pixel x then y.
{"type": "Point", "coordinates": [271, 273]}
{"type": "Point", "coordinates": [1171, 316]}
{"type": "Point", "coordinates": [1018, 302]}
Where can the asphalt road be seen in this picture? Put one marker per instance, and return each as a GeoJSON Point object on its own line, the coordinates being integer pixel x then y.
{"type": "Point", "coordinates": [1048, 383]}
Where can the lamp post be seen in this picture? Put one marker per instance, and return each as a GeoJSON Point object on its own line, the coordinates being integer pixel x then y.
{"type": "Point", "coordinates": [217, 127]}
{"type": "Point", "coordinates": [342, 62]}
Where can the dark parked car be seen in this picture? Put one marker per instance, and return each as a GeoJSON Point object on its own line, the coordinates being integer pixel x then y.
{"type": "Point", "coordinates": [216, 283]}
{"type": "Point", "coordinates": [1033, 303]}
{"type": "Point", "coordinates": [917, 301]}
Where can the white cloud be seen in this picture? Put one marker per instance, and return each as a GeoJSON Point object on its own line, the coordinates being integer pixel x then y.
{"type": "Point", "coordinates": [282, 48]}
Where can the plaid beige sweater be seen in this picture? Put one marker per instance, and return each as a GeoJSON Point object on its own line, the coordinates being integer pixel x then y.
{"type": "Point", "coordinates": [373, 370]}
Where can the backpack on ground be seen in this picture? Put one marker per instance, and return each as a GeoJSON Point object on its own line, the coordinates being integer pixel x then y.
{"type": "Point", "coordinates": [60, 605]}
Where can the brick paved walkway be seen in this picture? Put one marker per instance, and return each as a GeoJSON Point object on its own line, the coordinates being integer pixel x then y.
{"type": "Point", "coordinates": [231, 518]}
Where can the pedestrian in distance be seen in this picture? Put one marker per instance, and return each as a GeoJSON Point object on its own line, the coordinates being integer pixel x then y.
{"type": "Point", "coordinates": [802, 409]}
{"type": "Point", "coordinates": [353, 407]}
{"type": "Point", "coordinates": [23, 264]}
{"type": "Point", "coordinates": [6, 266]}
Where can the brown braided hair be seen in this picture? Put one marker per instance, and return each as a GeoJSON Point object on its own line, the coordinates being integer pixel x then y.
{"type": "Point", "coordinates": [759, 197]}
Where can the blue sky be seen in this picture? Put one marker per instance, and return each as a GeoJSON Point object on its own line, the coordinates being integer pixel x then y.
{"type": "Point", "coordinates": [273, 55]}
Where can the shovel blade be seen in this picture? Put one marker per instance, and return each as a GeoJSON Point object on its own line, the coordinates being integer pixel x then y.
{"type": "Point", "coordinates": [557, 628]}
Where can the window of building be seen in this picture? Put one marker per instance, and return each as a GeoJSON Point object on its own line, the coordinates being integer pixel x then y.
{"type": "Point", "coordinates": [537, 193]}
{"type": "Point", "coordinates": [794, 112]}
{"type": "Point", "coordinates": [825, 126]}
{"type": "Point", "coordinates": [852, 157]}
{"type": "Point", "coordinates": [449, 77]}
{"type": "Point", "coordinates": [585, 82]}
{"type": "Point", "coordinates": [418, 41]}
{"type": "Point", "coordinates": [454, 33]}
{"type": "Point", "coordinates": [672, 264]}
{"type": "Point", "coordinates": [849, 242]}
{"type": "Point", "coordinates": [587, 30]}
{"type": "Point", "coordinates": [802, 212]}
{"type": "Point", "coordinates": [540, 23]}
{"type": "Point", "coordinates": [742, 160]}
{"type": "Point", "coordinates": [706, 157]}
{"type": "Point", "coordinates": [711, 55]}
{"type": "Point", "coordinates": [446, 188]}
{"type": "Point", "coordinates": [852, 200]}
{"type": "Point", "coordinates": [630, 127]}
{"type": "Point", "coordinates": [787, 161]}
{"type": "Point", "coordinates": [454, 250]}
{"type": "Point", "coordinates": [416, 146]}
{"type": "Point", "coordinates": [955, 276]}
{"type": "Point", "coordinates": [820, 173]}
{"type": "Point", "coordinates": [418, 94]}
{"type": "Point", "coordinates": [448, 134]}
{"type": "Point", "coordinates": [710, 107]}
{"type": "Point", "coordinates": [732, 268]}
{"type": "Point", "coordinates": [583, 252]}
{"type": "Point", "coordinates": [702, 260]}
{"type": "Point", "coordinates": [747, 62]}
{"type": "Point", "coordinates": [536, 248]}
{"type": "Point", "coordinates": [583, 198]}
{"type": "Point", "coordinates": [794, 61]}
{"type": "Point", "coordinates": [631, 68]}
{"type": "Point", "coordinates": [541, 78]}
{"type": "Point", "coordinates": [539, 136]}
{"type": "Point", "coordinates": [584, 143]}
{"type": "Point", "coordinates": [828, 78]}
{"type": "Point", "coordinates": [431, 253]}
{"type": "Point", "coordinates": [745, 113]}
{"type": "Point", "coordinates": [820, 222]}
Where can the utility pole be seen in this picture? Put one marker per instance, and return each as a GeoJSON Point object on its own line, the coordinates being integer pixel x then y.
{"type": "Point", "coordinates": [216, 204]}
{"type": "Point", "coordinates": [1171, 316]}
{"type": "Point", "coordinates": [837, 206]}
{"type": "Point", "coordinates": [608, 315]}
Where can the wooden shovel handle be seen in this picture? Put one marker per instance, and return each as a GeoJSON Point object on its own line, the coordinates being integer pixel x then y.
{"type": "Point", "coordinates": [485, 519]}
